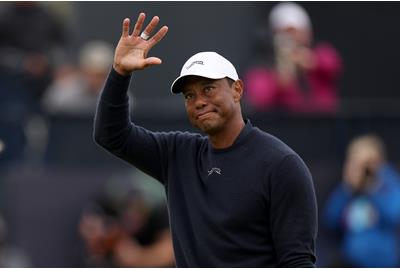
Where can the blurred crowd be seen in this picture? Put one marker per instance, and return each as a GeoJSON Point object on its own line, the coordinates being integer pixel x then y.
{"type": "Point", "coordinates": [292, 72]}
{"type": "Point", "coordinates": [39, 77]}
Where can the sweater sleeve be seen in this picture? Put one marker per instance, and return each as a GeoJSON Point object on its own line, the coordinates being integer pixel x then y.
{"type": "Point", "coordinates": [114, 131]}
{"type": "Point", "coordinates": [293, 214]}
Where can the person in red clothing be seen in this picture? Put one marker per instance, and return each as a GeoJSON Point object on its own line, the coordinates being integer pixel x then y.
{"type": "Point", "coordinates": [303, 77]}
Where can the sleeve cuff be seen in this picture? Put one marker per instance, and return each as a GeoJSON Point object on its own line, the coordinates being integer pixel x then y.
{"type": "Point", "coordinates": [114, 74]}
{"type": "Point", "coordinates": [115, 88]}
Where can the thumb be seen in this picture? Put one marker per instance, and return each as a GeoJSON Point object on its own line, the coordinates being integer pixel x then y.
{"type": "Point", "coordinates": [152, 61]}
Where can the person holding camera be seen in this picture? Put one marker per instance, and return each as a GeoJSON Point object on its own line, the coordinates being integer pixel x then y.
{"type": "Point", "coordinates": [365, 208]}
{"type": "Point", "coordinates": [303, 74]}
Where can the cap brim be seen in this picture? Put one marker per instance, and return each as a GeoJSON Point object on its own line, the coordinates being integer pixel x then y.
{"type": "Point", "coordinates": [175, 89]}
{"type": "Point", "coordinates": [176, 86]}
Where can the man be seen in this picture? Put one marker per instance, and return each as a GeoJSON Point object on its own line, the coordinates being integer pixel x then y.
{"type": "Point", "coordinates": [238, 197]}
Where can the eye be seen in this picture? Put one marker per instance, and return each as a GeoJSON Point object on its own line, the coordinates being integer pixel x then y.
{"type": "Point", "coordinates": [188, 96]}
{"type": "Point", "coordinates": [208, 89]}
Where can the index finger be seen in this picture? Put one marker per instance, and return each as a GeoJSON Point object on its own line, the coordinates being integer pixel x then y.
{"type": "Point", "coordinates": [125, 27]}
{"type": "Point", "coordinates": [157, 37]}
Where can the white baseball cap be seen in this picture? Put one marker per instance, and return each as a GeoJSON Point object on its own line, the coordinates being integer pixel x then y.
{"type": "Point", "coordinates": [206, 64]}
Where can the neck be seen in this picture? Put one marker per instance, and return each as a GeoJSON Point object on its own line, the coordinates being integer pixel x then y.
{"type": "Point", "coordinates": [226, 137]}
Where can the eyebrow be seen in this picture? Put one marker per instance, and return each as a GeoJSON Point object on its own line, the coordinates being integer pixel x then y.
{"type": "Point", "coordinates": [203, 82]}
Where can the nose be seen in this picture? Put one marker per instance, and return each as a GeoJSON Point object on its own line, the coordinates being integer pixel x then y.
{"type": "Point", "coordinates": [200, 102]}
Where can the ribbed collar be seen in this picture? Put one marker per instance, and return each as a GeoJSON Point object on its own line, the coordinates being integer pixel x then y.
{"type": "Point", "coordinates": [243, 135]}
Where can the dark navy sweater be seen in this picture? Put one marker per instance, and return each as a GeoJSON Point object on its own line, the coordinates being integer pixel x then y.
{"type": "Point", "coordinates": [249, 205]}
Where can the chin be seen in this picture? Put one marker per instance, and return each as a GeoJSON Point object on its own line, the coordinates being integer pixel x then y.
{"type": "Point", "coordinates": [209, 127]}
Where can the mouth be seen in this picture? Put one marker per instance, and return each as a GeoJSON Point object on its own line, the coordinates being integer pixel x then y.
{"type": "Point", "coordinates": [204, 115]}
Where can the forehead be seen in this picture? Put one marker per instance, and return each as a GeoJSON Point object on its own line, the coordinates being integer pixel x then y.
{"type": "Point", "coordinates": [191, 81]}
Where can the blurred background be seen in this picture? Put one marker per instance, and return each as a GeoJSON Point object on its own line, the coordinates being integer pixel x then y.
{"type": "Point", "coordinates": [64, 202]}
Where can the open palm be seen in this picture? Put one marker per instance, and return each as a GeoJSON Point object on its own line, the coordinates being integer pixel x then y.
{"type": "Point", "coordinates": [132, 50]}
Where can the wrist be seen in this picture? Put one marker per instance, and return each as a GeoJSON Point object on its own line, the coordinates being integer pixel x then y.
{"type": "Point", "coordinates": [120, 70]}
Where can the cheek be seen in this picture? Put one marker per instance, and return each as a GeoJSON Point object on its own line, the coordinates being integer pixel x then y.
{"type": "Point", "coordinates": [225, 103]}
{"type": "Point", "coordinates": [189, 110]}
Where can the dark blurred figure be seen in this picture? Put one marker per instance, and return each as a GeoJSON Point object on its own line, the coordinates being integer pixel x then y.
{"type": "Point", "coordinates": [297, 75]}
{"type": "Point", "coordinates": [31, 41]}
{"type": "Point", "coordinates": [126, 232]}
{"type": "Point", "coordinates": [75, 93]}
{"type": "Point", "coordinates": [31, 44]}
{"type": "Point", "coordinates": [365, 208]}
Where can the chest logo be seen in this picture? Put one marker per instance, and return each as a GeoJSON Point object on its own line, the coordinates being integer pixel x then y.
{"type": "Point", "coordinates": [214, 170]}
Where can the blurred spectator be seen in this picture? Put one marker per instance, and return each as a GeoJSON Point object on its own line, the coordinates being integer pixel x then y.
{"type": "Point", "coordinates": [127, 232]}
{"type": "Point", "coordinates": [75, 92]}
{"type": "Point", "coordinates": [365, 207]}
{"type": "Point", "coordinates": [302, 77]}
{"type": "Point", "coordinates": [31, 43]}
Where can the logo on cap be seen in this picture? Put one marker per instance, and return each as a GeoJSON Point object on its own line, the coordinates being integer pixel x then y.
{"type": "Point", "coordinates": [195, 62]}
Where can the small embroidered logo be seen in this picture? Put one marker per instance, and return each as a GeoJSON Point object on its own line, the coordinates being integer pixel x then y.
{"type": "Point", "coordinates": [214, 170]}
{"type": "Point", "coordinates": [195, 62]}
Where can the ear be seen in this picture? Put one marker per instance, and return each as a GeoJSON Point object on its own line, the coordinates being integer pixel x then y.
{"type": "Point", "coordinates": [237, 88]}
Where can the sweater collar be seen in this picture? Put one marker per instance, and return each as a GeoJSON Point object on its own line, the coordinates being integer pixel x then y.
{"type": "Point", "coordinates": [244, 133]}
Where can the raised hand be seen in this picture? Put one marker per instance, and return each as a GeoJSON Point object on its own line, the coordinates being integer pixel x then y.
{"type": "Point", "coordinates": [132, 50]}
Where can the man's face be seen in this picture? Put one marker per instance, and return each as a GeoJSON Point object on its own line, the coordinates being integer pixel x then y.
{"type": "Point", "coordinates": [211, 104]}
